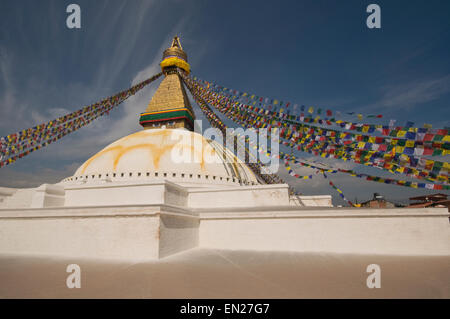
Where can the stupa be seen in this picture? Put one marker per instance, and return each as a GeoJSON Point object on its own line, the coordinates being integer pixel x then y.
{"type": "Point", "coordinates": [166, 189]}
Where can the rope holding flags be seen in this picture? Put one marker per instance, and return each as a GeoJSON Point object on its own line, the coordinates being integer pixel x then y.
{"type": "Point", "coordinates": [322, 145]}
{"type": "Point", "coordinates": [387, 158]}
{"type": "Point", "coordinates": [367, 177]}
{"type": "Point", "coordinates": [361, 151]}
{"type": "Point", "coordinates": [328, 169]}
{"type": "Point", "coordinates": [358, 155]}
{"type": "Point", "coordinates": [22, 143]}
{"type": "Point", "coordinates": [288, 157]}
{"type": "Point", "coordinates": [341, 194]}
{"type": "Point", "coordinates": [277, 104]}
{"type": "Point", "coordinates": [293, 174]}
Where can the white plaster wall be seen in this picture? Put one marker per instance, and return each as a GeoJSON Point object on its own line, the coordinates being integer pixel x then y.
{"type": "Point", "coordinates": [118, 194]}
{"type": "Point", "coordinates": [6, 192]}
{"type": "Point", "coordinates": [152, 231]}
{"type": "Point", "coordinates": [48, 195]}
{"type": "Point", "coordinates": [316, 201]}
{"type": "Point", "coordinates": [156, 193]}
{"type": "Point", "coordinates": [327, 231]}
{"type": "Point", "coordinates": [20, 198]}
{"type": "Point", "coordinates": [175, 195]}
{"type": "Point", "coordinates": [147, 193]}
{"type": "Point", "coordinates": [125, 232]}
{"type": "Point", "coordinates": [243, 196]}
{"type": "Point", "coordinates": [178, 232]}
{"type": "Point", "coordinates": [124, 237]}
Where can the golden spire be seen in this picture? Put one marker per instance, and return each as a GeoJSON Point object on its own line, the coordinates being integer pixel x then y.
{"type": "Point", "coordinates": [170, 105]}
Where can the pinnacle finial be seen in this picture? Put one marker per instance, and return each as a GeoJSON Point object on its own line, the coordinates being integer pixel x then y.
{"type": "Point", "coordinates": [176, 42]}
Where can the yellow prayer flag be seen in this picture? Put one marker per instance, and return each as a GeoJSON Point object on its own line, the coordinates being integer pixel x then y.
{"type": "Point", "coordinates": [400, 169]}
{"type": "Point", "coordinates": [399, 149]}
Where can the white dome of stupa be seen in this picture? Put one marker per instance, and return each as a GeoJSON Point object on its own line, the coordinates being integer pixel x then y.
{"type": "Point", "coordinates": [176, 155]}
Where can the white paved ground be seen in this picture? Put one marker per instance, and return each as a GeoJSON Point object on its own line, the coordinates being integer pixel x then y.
{"type": "Point", "coordinates": [203, 273]}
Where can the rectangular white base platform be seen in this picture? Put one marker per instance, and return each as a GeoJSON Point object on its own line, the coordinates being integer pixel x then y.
{"type": "Point", "coordinates": [156, 231]}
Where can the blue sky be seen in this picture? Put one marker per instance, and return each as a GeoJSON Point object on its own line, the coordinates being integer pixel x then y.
{"type": "Point", "coordinates": [309, 52]}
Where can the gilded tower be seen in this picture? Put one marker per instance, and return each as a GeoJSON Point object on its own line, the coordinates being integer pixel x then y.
{"type": "Point", "coordinates": [170, 105]}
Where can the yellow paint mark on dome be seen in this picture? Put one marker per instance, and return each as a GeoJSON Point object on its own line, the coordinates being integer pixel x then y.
{"type": "Point", "coordinates": [153, 149]}
{"type": "Point", "coordinates": [156, 150]}
{"type": "Point", "coordinates": [89, 161]}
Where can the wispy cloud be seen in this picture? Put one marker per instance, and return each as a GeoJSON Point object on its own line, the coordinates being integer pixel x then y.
{"type": "Point", "coordinates": [406, 96]}
{"type": "Point", "coordinates": [128, 122]}
{"type": "Point", "coordinates": [11, 108]}
{"type": "Point", "coordinates": [19, 104]}
{"type": "Point", "coordinates": [125, 41]}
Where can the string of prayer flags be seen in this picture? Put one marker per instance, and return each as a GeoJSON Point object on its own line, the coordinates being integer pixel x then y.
{"type": "Point", "coordinates": [357, 144]}
{"type": "Point", "coordinates": [341, 194]}
{"type": "Point", "coordinates": [17, 145]}
{"type": "Point", "coordinates": [394, 163]}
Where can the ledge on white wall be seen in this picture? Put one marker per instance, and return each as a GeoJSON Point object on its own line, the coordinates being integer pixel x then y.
{"type": "Point", "coordinates": [241, 196]}
{"type": "Point", "coordinates": [48, 195]}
